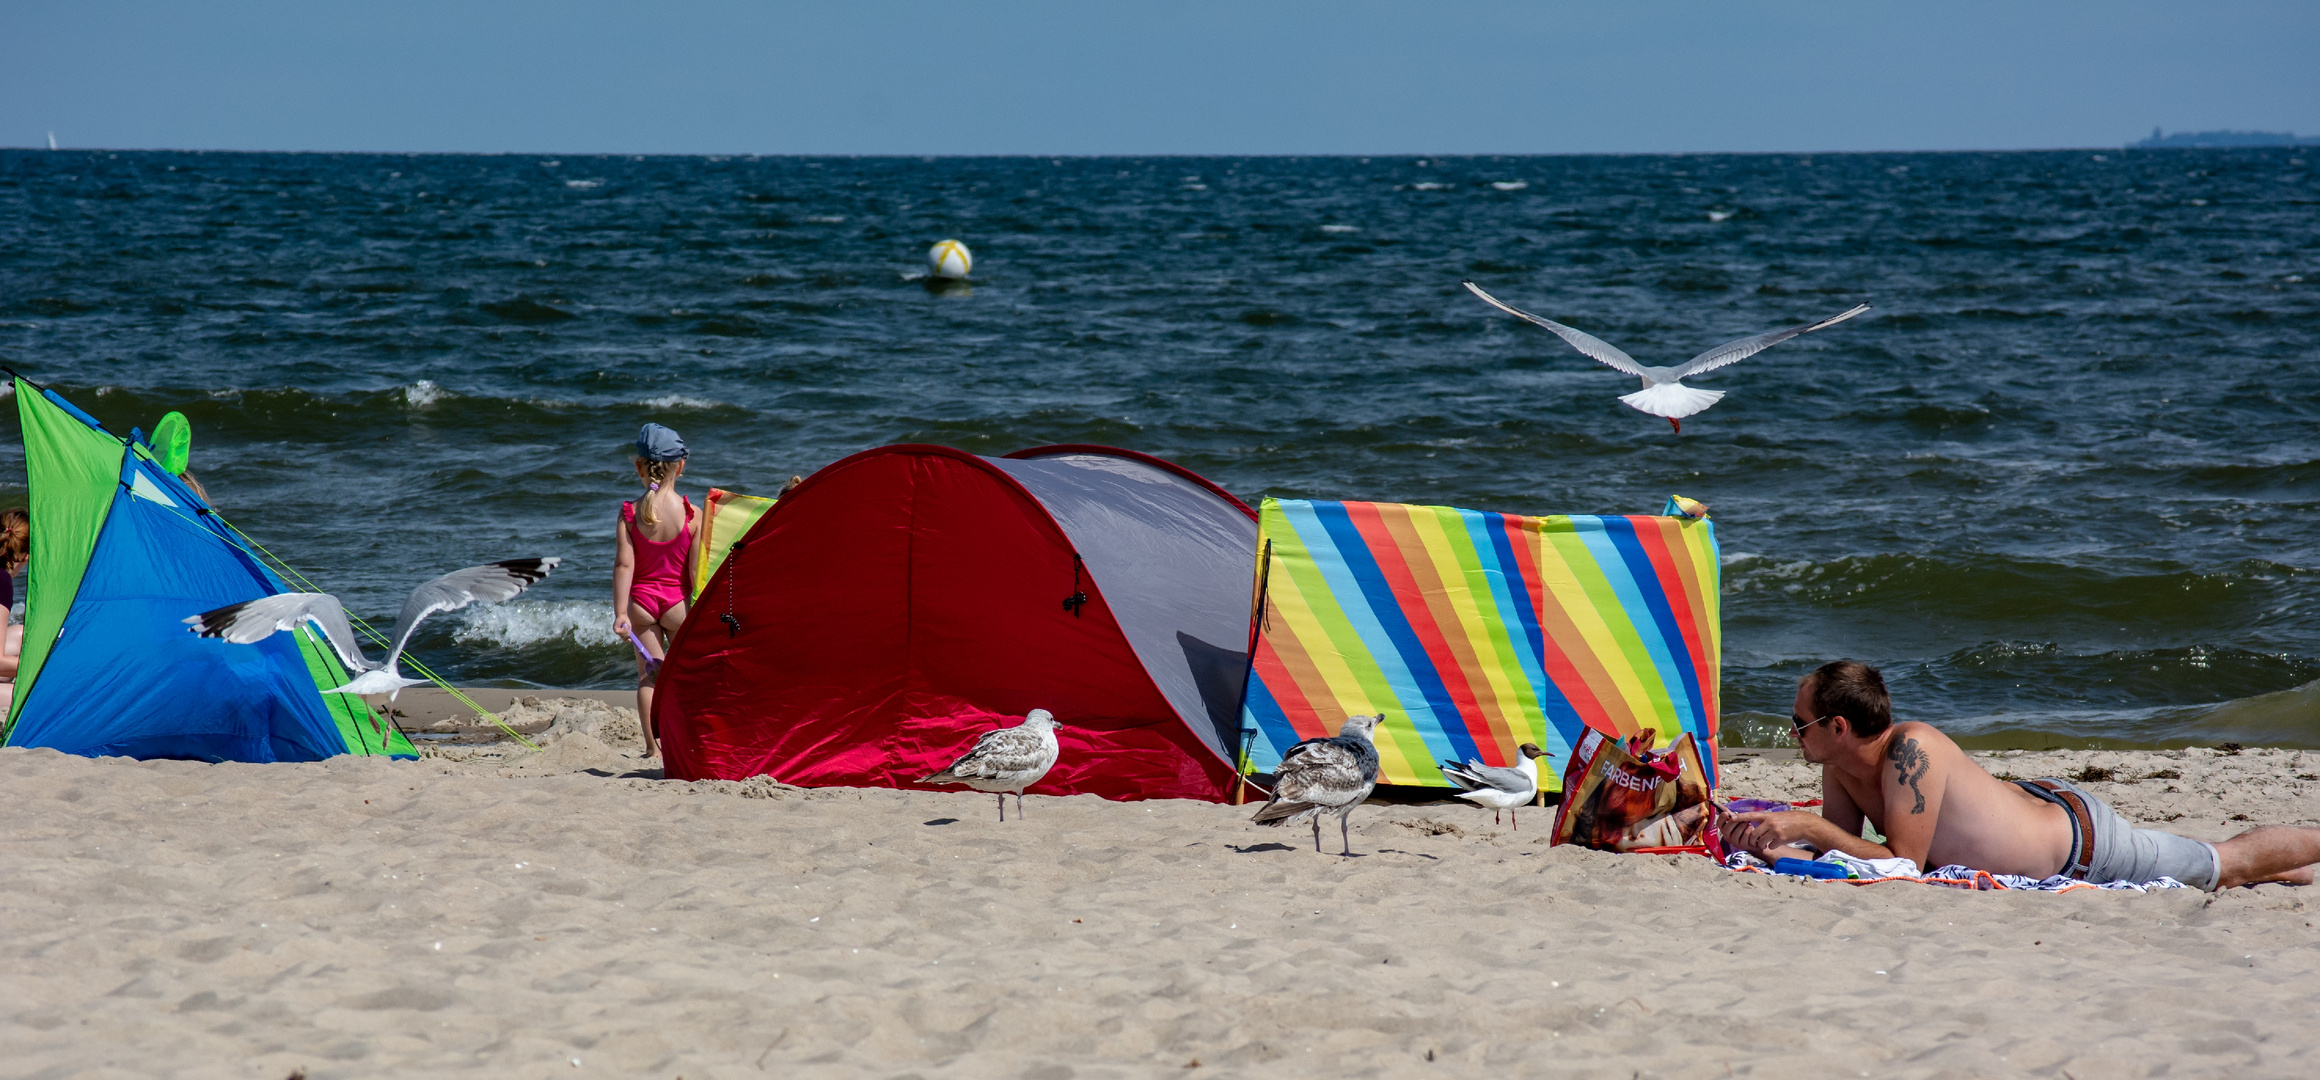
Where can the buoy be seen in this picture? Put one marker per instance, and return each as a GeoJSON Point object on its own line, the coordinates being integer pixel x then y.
{"type": "Point", "coordinates": [949, 259]}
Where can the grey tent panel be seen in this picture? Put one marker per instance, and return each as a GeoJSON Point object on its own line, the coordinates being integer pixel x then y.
{"type": "Point", "coordinates": [1176, 563]}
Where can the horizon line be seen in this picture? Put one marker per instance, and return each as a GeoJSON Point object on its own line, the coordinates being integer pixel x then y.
{"type": "Point", "coordinates": [1090, 156]}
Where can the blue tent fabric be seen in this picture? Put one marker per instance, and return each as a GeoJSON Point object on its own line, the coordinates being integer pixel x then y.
{"type": "Point", "coordinates": [71, 409]}
{"type": "Point", "coordinates": [125, 678]}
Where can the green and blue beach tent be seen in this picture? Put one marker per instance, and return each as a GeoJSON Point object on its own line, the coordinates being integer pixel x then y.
{"type": "Point", "coordinates": [122, 552]}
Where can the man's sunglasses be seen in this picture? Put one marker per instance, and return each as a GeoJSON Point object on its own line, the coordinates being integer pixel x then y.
{"type": "Point", "coordinates": [1797, 724]}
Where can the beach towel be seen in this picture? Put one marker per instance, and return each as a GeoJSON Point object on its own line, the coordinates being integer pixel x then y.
{"type": "Point", "coordinates": [1872, 871]}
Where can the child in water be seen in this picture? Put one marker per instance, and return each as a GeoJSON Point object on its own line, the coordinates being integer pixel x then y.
{"type": "Point", "coordinates": [655, 560]}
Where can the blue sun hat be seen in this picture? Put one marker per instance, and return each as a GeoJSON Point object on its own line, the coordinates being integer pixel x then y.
{"type": "Point", "coordinates": [658, 443]}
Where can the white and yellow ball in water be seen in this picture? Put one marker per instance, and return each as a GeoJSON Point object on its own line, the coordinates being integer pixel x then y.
{"type": "Point", "coordinates": [949, 259]}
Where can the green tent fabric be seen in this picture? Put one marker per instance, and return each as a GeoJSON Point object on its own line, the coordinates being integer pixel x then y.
{"type": "Point", "coordinates": [73, 469]}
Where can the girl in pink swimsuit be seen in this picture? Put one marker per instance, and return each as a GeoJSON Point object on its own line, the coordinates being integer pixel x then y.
{"type": "Point", "coordinates": [654, 561]}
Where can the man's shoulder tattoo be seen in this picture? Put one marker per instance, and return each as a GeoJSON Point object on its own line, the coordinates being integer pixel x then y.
{"type": "Point", "coordinates": [1909, 764]}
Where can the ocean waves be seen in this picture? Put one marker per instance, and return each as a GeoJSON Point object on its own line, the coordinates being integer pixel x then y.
{"type": "Point", "coordinates": [2064, 472]}
{"type": "Point", "coordinates": [2000, 591]}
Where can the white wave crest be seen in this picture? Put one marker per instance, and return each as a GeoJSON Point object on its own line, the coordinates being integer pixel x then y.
{"type": "Point", "coordinates": [1510, 185]}
{"type": "Point", "coordinates": [1428, 185]}
{"type": "Point", "coordinates": [677, 401]}
{"type": "Point", "coordinates": [583, 183]}
{"type": "Point", "coordinates": [531, 622]}
{"type": "Point", "coordinates": [423, 393]}
{"type": "Point", "coordinates": [1340, 228]}
{"type": "Point", "coordinates": [826, 219]}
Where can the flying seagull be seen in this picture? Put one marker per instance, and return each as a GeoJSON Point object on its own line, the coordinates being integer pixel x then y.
{"type": "Point", "coordinates": [1499, 787]}
{"type": "Point", "coordinates": [252, 621]}
{"type": "Point", "coordinates": [1319, 777]}
{"type": "Point", "coordinates": [1664, 393]}
{"type": "Point", "coordinates": [1006, 759]}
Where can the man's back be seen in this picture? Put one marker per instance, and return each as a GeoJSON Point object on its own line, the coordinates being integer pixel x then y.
{"type": "Point", "coordinates": [1934, 804]}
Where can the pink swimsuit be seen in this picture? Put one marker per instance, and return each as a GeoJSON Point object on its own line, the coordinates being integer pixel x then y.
{"type": "Point", "coordinates": [660, 567]}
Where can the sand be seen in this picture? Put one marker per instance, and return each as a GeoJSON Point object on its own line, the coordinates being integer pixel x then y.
{"type": "Point", "coordinates": [499, 912]}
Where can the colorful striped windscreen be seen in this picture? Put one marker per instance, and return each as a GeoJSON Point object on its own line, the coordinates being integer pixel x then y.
{"type": "Point", "coordinates": [1474, 633]}
{"type": "Point", "coordinates": [725, 517]}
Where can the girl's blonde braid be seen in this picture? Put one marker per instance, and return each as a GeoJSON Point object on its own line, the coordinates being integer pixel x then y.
{"type": "Point", "coordinates": [656, 473]}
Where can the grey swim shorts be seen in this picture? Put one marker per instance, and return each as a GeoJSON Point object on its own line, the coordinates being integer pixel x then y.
{"type": "Point", "coordinates": [2107, 847]}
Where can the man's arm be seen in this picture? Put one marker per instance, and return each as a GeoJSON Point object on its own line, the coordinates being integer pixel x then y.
{"type": "Point", "coordinates": [1775, 834]}
{"type": "Point", "coordinates": [1914, 780]}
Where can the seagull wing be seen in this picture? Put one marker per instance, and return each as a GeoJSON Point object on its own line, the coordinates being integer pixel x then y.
{"type": "Point", "coordinates": [1456, 773]}
{"type": "Point", "coordinates": [486, 584]}
{"type": "Point", "coordinates": [1581, 340]}
{"type": "Point", "coordinates": [252, 621]}
{"type": "Point", "coordinates": [1732, 352]}
{"type": "Point", "coordinates": [1495, 776]}
{"type": "Point", "coordinates": [1002, 753]}
{"type": "Point", "coordinates": [1328, 773]}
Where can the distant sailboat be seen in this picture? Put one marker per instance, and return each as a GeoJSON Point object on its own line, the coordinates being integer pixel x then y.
{"type": "Point", "coordinates": [52, 140]}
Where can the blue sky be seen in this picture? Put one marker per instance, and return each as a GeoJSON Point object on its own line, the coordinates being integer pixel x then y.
{"type": "Point", "coordinates": [1184, 77]}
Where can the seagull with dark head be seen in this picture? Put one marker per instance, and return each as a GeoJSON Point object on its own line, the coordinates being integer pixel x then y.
{"type": "Point", "coordinates": [1499, 787]}
{"type": "Point", "coordinates": [1320, 777]}
{"type": "Point", "coordinates": [1664, 393]}
{"type": "Point", "coordinates": [1006, 759]}
{"type": "Point", "coordinates": [252, 621]}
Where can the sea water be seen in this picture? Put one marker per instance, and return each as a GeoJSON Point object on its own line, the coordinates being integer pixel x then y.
{"type": "Point", "coordinates": [2060, 484]}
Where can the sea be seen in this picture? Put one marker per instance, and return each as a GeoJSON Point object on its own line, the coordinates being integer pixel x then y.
{"type": "Point", "coordinates": [2060, 483]}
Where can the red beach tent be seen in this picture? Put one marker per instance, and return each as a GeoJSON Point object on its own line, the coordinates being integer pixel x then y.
{"type": "Point", "coordinates": [902, 601]}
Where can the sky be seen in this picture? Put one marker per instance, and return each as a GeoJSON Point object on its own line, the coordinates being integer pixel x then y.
{"type": "Point", "coordinates": [1172, 77]}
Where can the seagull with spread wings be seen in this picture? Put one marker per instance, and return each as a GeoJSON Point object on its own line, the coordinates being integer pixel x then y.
{"type": "Point", "coordinates": [252, 621]}
{"type": "Point", "coordinates": [1663, 393]}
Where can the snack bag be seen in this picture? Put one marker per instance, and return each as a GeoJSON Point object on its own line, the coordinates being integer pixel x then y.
{"type": "Point", "coordinates": [1620, 796]}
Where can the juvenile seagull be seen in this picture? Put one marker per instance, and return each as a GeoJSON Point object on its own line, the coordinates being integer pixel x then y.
{"type": "Point", "coordinates": [1006, 759]}
{"type": "Point", "coordinates": [1499, 787]}
{"type": "Point", "coordinates": [1664, 393]}
{"type": "Point", "coordinates": [252, 621]}
{"type": "Point", "coordinates": [1319, 777]}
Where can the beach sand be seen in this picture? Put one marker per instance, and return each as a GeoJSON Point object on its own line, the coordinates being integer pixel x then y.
{"type": "Point", "coordinates": [563, 913]}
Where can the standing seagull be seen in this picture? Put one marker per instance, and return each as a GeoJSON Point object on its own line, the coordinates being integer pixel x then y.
{"type": "Point", "coordinates": [1318, 777]}
{"type": "Point", "coordinates": [252, 621]}
{"type": "Point", "coordinates": [1499, 787]}
{"type": "Point", "coordinates": [1006, 759]}
{"type": "Point", "coordinates": [1664, 393]}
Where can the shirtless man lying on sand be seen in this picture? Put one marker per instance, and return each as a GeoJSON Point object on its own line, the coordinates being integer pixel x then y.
{"type": "Point", "coordinates": [1937, 807]}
